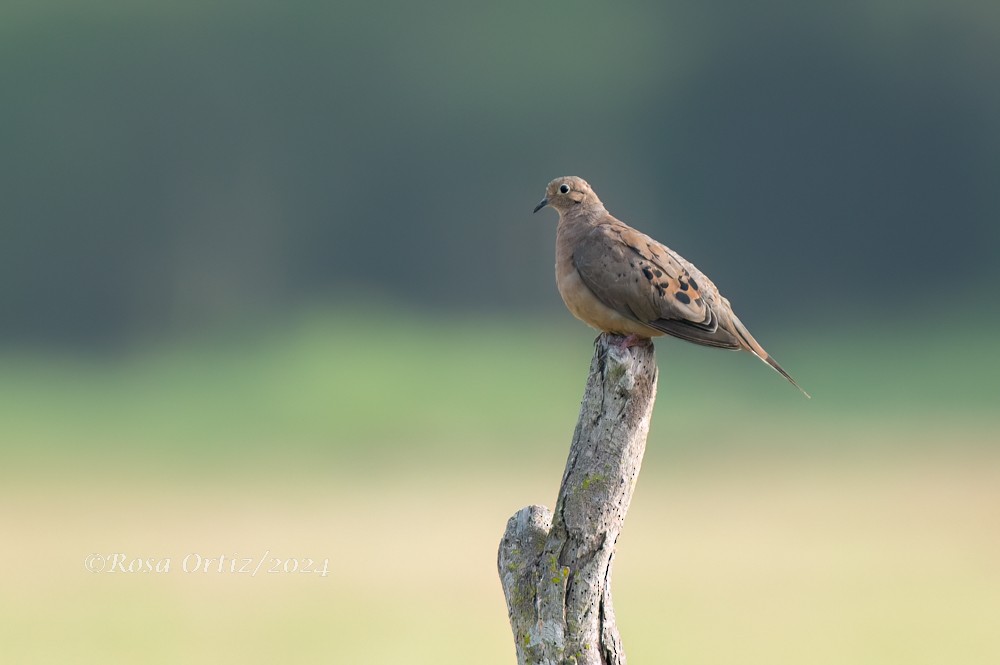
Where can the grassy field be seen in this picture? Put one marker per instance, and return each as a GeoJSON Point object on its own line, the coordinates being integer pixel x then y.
{"type": "Point", "coordinates": [343, 387]}
{"type": "Point", "coordinates": [723, 561]}
{"type": "Point", "coordinates": [858, 527]}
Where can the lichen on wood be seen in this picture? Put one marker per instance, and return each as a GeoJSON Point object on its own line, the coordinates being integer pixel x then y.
{"type": "Point", "coordinates": [555, 567]}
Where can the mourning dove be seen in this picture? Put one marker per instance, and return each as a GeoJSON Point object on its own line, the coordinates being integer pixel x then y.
{"type": "Point", "coordinates": [620, 280]}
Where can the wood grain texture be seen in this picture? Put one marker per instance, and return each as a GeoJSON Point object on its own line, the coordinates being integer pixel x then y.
{"type": "Point", "coordinates": [555, 567]}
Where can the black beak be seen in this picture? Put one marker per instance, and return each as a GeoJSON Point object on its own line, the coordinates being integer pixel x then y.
{"type": "Point", "coordinates": [541, 204]}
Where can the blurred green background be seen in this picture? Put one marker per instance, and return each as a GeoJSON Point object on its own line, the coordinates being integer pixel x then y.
{"type": "Point", "coordinates": [269, 282]}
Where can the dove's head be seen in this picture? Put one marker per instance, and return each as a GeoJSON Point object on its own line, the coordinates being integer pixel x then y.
{"type": "Point", "coordinates": [568, 193]}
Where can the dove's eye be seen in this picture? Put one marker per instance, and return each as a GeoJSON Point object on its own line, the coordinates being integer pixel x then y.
{"type": "Point", "coordinates": [564, 188]}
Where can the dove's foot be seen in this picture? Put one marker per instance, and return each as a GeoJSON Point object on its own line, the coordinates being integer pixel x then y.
{"type": "Point", "coordinates": [635, 340]}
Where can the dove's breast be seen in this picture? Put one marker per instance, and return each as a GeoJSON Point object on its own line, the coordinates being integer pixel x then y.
{"type": "Point", "coordinates": [582, 302]}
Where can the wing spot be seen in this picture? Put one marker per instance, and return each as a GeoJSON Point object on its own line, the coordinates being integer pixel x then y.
{"type": "Point", "coordinates": [694, 284]}
{"type": "Point", "coordinates": [648, 273]}
{"type": "Point", "coordinates": [683, 297]}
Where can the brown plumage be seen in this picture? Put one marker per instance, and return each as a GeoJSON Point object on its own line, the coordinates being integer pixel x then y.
{"type": "Point", "coordinates": [620, 280]}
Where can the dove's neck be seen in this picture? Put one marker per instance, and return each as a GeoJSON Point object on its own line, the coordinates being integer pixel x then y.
{"type": "Point", "coordinates": [573, 226]}
{"type": "Point", "coordinates": [583, 216]}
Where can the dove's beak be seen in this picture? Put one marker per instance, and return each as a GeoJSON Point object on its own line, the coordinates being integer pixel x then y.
{"type": "Point", "coordinates": [541, 204]}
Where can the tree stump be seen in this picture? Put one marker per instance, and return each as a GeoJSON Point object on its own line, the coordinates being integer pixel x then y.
{"type": "Point", "coordinates": [555, 568]}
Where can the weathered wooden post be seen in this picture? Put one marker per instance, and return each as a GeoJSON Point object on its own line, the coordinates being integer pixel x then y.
{"type": "Point", "coordinates": [555, 568]}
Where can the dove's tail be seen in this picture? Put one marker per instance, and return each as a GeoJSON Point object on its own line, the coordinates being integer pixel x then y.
{"type": "Point", "coordinates": [751, 345]}
{"type": "Point", "coordinates": [773, 363]}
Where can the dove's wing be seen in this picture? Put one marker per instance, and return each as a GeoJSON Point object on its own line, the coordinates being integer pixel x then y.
{"type": "Point", "coordinates": [644, 280]}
